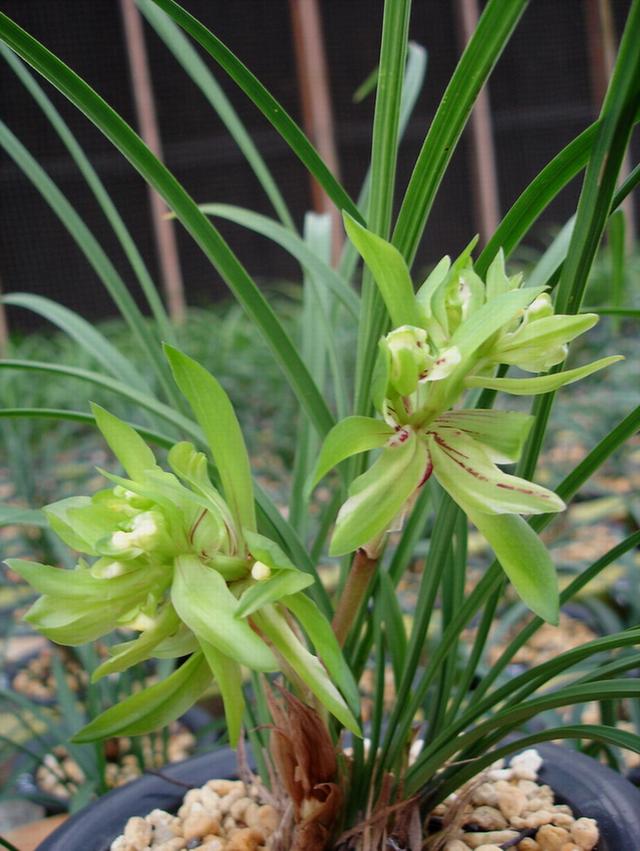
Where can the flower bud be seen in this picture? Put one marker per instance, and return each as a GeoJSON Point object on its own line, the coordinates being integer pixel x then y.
{"type": "Point", "coordinates": [540, 307]}
{"type": "Point", "coordinates": [409, 357]}
{"type": "Point", "coordinates": [260, 571]}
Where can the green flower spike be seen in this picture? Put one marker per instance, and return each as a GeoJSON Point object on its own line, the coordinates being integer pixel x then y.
{"type": "Point", "coordinates": [185, 567]}
{"type": "Point", "coordinates": [447, 337]}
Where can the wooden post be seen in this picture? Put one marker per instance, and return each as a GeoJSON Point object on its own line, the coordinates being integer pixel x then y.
{"type": "Point", "coordinates": [602, 46]}
{"type": "Point", "coordinates": [484, 180]}
{"type": "Point", "coordinates": [163, 228]}
{"type": "Point", "coordinates": [317, 113]}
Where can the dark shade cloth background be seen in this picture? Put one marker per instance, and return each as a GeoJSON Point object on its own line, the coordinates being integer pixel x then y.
{"type": "Point", "coordinates": [541, 97]}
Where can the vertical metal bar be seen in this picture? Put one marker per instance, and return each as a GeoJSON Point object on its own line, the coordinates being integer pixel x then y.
{"type": "Point", "coordinates": [163, 228]}
{"type": "Point", "coordinates": [317, 112]}
{"type": "Point", "coordinates": [484, 179]}
{"type": "Point", "coordinates": [602, 47]}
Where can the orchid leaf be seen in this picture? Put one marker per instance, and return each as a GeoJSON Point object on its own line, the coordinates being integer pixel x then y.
{"type": "Point", "coordinates": [125, 443]}
{"type": "Point", "coordinates": [389, 270]}
{"type": "Point", "coordinates": [501, 433]}
{"type": "Point", "coordinates": [273, 624]}
{"type": "Point", "coordinates": [228, 675]}
{"type": "Point", "coordinates": [541, 384]}
{"type": "Point", "coordinates": [467, 473]}
{"type": "Point", "coordinates": [377, 496]}
{"type": "Point", "coordinates": [152, 708]}
{"type": "Point", "coordinates": [349, 437]}
{"type": "Point", "coordinates": [204, 602]}
{"type": "Point", "coordinates": [524, 559]}
{"type": "Point", "coordinates": [391, 613]}
{"type": "Point", "coordinates": [18, 515]}
{"type": "Point", "coordinates": [326, 645]}
{"type": "Point", "coordinates": [215, 415]}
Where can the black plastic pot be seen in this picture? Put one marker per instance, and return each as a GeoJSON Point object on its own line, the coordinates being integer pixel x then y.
{"type": "Point", "coordinates": [590, 789]}
{"type": "Point", "coordinates": [95, 827]}
{"type": "Point", "coordinates": [595, 791]}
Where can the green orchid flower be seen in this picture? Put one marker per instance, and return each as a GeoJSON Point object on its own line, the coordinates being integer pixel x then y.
{"type": "Point", "coordinates": [184, 567]}
{"type": "Point", "coordinates": [448, 337]}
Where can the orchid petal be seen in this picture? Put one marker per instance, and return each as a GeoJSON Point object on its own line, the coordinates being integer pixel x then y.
{"type": "Point", "coordinates": [204, 602]}
{"type": "Point", "coordinates": [467, 473]}
{"type": "Point", "coordinates": [349, 437]}
{"type": "Point", "coordinates": [490, 318]}
{"type": "Point", "coordinates": [125, 443]}
{"type": "Point", "coordinates": [389, 270]}
{"type": "Point", "coordinates": [378, 496]}
{"type": "Point", "coordinates": [133, 652]}
{"type": "Point", "coordinates": [153, 707]}
{"type": "Point", "coordinates": [501, 433]}
{"type": "Point", "coordinates": [524, 559]}
{"type": "Point", "coordinates": [543, 383]}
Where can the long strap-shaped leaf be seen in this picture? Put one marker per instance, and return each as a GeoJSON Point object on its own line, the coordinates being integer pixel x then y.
{"type": "Point", "coordinates": [295, 245]}
{"type": "Point", "coordinates": [92, 250]}
{"type": "Point", "coordinates": [526, 683]}
{"type": "Point", "coordinates": [100, 193]}
{"type": "Point", "coordinates": [266, 103]}
{"type": "Point", "coordinates": [594, 732]}
{"type": "Point", "coordinates": [616, 122]}
{"type": "Point", "coordinates": [384, 152]}
{"type": "Point", "coordinates": [414, 76]}
{"type": "Point", "coordinates": [480, 55]}
{"type": "Point", "coordinates": [617, 119]}
{"type": "Point", "coordinates": [188, 57]}
{"type": "Point", "coordinates": [84, 333]}
{"type": "Point", "coordinates": [143, 400]}
{"type": "Point", "coordinates": [545, 186]}
{"type": "Point", "coordinates": [185, 208]}
{"type": "Point", "coordinates": [507, 719]}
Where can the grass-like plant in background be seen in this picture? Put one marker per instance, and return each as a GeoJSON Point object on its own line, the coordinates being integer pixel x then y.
{"type": "Point", "coordinates": [187, 560]}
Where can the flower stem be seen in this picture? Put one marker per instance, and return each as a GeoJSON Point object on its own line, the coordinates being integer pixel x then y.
{"type": "Point", "coordinates": [355, 589]}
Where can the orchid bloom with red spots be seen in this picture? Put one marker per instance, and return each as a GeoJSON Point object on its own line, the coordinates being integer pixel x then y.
{"type": "Point", "coordinates": [448, 337]}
